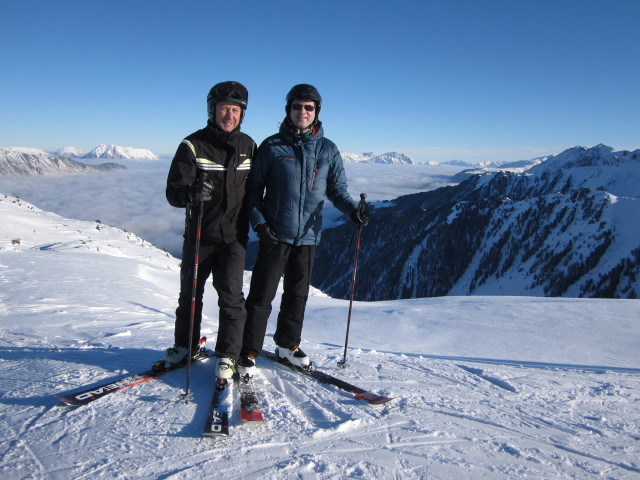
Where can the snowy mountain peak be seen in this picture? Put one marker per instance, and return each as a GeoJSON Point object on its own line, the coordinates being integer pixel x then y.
{"type": "Point", "coordinates": [69, 152]}
{"type": "Point", "coordinates": [600, 155]}
{"type": "Point", "coordinates": [107, 150]}
{"type": "Point", "coordinates": [393, 158]}
{"type": "Point", "coordinates": [27, 150]}
{"type": "Point", "coordinates": [597, 168]}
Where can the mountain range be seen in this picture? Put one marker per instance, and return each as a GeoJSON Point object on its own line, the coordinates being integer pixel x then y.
{"type": "Point", "coordinates": [107, 150]}
{"type": "Point", "coordinates": [563, 225]}
{"type": "Point", "coordinates": [386, 158]}
{"type": "Point", "coordinates": [567, 226]}
{"type": "Point", "coordinates": [33, 161]}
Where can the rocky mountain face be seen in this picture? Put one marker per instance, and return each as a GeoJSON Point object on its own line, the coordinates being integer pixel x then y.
{"type": "Point", "coordinates": [565, 227]}
{"type": "Point", "coordinates": [31, 161]}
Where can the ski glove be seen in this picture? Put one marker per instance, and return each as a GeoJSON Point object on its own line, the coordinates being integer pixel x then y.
{"type": "Point", "coordinates": [201, 190]}
{"type": "Point", "coordinates": [266, 235]}
{"type": "Point", "coordinates": [360, 215]}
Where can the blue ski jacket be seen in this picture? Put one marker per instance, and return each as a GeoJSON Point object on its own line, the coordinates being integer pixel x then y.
{"type": "Point", "coordinates": [289, 180]}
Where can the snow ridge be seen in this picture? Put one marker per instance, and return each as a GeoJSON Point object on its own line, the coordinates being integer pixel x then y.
{"type": "Point", "coordinates": [393, 158]}
{"type": "Point", "coordinates": [107, 150]}
{"type": "Point", "coordinates": [69, 152]}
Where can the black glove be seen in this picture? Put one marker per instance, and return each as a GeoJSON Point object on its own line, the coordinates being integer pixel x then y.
{"type": "Point", "coordinates": [266, 235]}
{"type": "Point", "coordinates": [360, 215]}
{"type": "Point", "coordinates": [201, 190]}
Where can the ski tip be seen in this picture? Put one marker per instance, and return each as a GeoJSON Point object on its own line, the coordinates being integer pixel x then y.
{"type": "Point", "coordinates": [372, 398]}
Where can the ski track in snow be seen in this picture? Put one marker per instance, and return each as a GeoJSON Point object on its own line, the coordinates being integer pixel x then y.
{"type": "Point", "coordinates": [445, 423]}
{"type": "Point", "coordinates": [468, 403]}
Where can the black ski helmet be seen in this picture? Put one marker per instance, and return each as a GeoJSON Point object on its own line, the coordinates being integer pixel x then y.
{"type": "Point", "coordinates": [304, 91]}
{"type": "Point", "coordinates": [227, 92]}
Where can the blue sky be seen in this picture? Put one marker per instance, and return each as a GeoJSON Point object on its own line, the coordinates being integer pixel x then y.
{"type": "Point", "coordinates": [475, 80]}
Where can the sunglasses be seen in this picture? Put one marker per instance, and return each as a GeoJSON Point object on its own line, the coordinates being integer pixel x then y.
{"type": "Point", "coordinates": [308, 108]}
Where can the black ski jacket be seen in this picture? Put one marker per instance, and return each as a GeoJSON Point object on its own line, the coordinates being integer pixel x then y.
{"type": "Point", "coordinates": [226, 159]}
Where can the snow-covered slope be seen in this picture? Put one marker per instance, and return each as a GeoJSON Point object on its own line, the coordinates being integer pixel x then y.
{"type": "Point", "coordinates": [32, 161]}
{"type": "Point", "coordinates": [485, 387]}
{"type": "Point", "coordinates": [107, 150]}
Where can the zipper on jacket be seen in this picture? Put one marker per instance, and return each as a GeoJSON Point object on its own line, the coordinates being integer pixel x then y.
{"type": "Point", "coordinates": [313, 176]}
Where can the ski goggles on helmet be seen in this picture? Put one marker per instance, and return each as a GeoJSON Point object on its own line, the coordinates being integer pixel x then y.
{"type": "Point", "coordinates": [229, 92]}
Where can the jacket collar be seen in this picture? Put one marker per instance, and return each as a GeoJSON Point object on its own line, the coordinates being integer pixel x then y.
{"type": "Point", "coordinates": [213, 130]}
{"type": "Point", "coordinates": [288, 130]}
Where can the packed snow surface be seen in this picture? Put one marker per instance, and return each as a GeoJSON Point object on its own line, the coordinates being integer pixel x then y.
{"type": "Point", "coordinates": [484, 387]}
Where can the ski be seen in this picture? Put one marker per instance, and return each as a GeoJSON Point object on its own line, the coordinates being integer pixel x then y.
{"type": "Point", "coordinates": [250, 410]}
{"type": "Point", "coordinates": [218, 417]}
{"type": "Point", "coordinates": [359, 393]}
{"type": "Point", "coordinates": [88, 395]}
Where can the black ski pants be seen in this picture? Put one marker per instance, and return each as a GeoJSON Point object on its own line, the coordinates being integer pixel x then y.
{"type": "Point", "coordinates": [225, 263]}
{"type": "Point", "coordinates": [296, 263]}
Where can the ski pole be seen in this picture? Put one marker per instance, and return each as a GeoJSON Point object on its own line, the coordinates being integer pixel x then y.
{"type": "Point", "coordinates": [343, 362]}
{"type": "Point", "coordinates": [186, 394]}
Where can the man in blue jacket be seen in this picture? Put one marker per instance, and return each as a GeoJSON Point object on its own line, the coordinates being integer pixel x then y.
{"type": "Point", "coordinates": [290, 176]}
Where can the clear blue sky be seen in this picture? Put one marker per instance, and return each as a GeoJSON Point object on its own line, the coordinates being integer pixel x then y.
{"type": "Point", "coordinates": [438, 80]}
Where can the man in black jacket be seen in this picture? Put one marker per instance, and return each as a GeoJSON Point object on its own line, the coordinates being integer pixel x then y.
{"type": "Point", "coordinates": [210, 168]}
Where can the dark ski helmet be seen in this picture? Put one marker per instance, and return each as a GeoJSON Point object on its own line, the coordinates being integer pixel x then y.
{"type": "Point", "coordinates": [304, 91]}
{"type": "Point", "coordinates": [227, 92]}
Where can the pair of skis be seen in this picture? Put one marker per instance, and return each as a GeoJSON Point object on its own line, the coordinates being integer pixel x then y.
{"type": "Point", "coordinates": [218, 417]}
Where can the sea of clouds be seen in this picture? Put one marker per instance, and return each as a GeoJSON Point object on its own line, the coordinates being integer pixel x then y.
{"type": "Point", "coordinates": [134, 199]}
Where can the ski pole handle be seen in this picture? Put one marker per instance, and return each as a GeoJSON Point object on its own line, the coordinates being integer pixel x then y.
{"type": "Point", "coordinates": [363, 213]}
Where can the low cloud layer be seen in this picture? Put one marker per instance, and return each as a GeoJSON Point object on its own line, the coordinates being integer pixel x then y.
{"type": "Point", "coordinates": [134, 199]}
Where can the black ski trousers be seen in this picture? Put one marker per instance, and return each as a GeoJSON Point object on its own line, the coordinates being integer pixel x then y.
{"type": "Point", "coordinates": [225, 263]}
{"type": "Point", "coordinates": [296, 263]}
